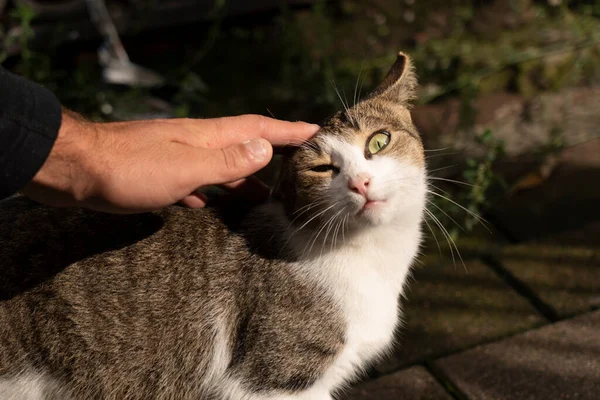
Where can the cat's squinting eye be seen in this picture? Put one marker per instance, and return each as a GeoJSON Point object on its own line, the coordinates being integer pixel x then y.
{"type": "Point", "coordinates": [377, 142]}
{"type": "Point", "coordinates": [325, 168]}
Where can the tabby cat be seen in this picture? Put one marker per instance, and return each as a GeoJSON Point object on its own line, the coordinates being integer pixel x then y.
{"type": "Point", "coordinates": [291, 299]}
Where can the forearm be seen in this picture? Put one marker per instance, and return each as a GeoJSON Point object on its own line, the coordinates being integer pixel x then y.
{"type": "Point", "coordinates": [30, 118]}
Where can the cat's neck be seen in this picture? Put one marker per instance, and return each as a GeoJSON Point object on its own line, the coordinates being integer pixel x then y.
{"type": "Point", "coordinates": [384, 246]}
{"type": "Point", "coordinates": [382, 254]}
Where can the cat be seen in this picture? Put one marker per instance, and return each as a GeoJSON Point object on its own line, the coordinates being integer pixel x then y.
{"type": "Point", "coordinates": [292, 299]}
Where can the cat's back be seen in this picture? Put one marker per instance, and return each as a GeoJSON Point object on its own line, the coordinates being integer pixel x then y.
{"type": "Point", "coordinates": [40, 245]}
{"type": "Point", "coordinates": [87, 293]}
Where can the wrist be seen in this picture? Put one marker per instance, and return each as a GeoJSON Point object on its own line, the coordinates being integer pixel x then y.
{"type": "Point", "coordinates": [79, 136]}
{"type": "Point", "coordinates": [67, 177]}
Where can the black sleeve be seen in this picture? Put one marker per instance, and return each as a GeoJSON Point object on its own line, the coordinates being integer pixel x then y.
{"type": "Point", "coordinates": [30, 117]}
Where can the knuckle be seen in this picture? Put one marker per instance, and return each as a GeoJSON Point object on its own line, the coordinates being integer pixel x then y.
{"type": "Point", "coordinates": [263, 123]}
{"type": "Point", "coordinates": [259, 121]}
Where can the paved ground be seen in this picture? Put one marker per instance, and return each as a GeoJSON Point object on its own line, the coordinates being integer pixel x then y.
{"type": "Point", "coordinates": [523, 320]}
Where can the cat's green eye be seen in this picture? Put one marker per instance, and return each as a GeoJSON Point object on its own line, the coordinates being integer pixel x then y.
{"type": "Point", "coordinates": [377, 142]}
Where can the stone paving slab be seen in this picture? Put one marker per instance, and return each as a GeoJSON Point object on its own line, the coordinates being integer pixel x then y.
{"type": "Point", "coordinates": [569, 288]}
{"type": "Point", "coordinates": [560, 361]}
{"type": "Point", "coordinates": [448, 309]}
{"type": "Point", "coordinates": [563, 270]}
{"type": "Point", "coordinates": [410, 384]}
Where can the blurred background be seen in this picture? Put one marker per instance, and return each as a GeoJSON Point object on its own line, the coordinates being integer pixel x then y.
{"type": "Point", "coordinates": [508, 108]}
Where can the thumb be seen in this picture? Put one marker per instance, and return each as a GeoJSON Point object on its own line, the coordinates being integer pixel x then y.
{"type": "Point", "coordinates": [232, 163]}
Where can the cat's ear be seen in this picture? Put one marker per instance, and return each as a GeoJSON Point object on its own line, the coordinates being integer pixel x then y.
{"type": "Point", "coordinates": [399, 85]}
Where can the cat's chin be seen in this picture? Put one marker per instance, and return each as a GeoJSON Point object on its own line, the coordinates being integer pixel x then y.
{"type": "Point", "coordinates": [374, 213]}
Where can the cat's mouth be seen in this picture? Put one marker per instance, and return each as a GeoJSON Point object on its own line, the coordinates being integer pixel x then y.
{"type": "Point", "coordinates": [372, 205]}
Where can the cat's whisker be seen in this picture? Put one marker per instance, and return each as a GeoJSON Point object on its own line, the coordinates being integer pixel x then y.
{"type": "Point", "coordinates": [342, 211]}
{"type": "Point", "coordinates": [440, 149]}
{"type": "Point", "coordinates": [360, 89]}
{"type": "Point", "coordinates": [336, 232]}
{"type": "Point", "coordinates": [344, 229]}
{"type": "Point", "coordinates": [434, 236]}
{"type": "Point", "coordinates": [432, 185]}
{"type": "Point", "coordinates": [446, 214]}
{"type": "Point", "coordinates": [453, 181]}
{"type": "Point", "coordinates": [346, 108]}
{"type": "Point", "coordinates": [311, 219]}
{"type": "Point", "coordinates": [330, 225]}
{"type": "Point", "coordinates": [345, 98]}
{"type": "Point", "coordinates": [323, 199]}
{"type": "Point", "coordinates": [313, 238]}
{"type": "Point", "coordinates": [437, 222]}
{"type": "Point", "coordinates": [428, 177]}
{"type": "Point", "coordinates": [481, 220]}
{"type": "Point", "coordinates": [295, 142]}
{"type": "Point", "coordinates": [272, 115]}
{"type": "Point", "coordinates": [307, 205]}
{"type": "Point", "coordinates": [310, 206]}
{"type": "Point", "coordinates": [449, 239]}
{"type": "Point", "coordinates": [441, 168]}
{"type": "Point", "coordinates": [337, 92]}
{"type": "Point", "coordinates": [361, 85]}
{"type": "Point", "coordinates": [441, 155]}
{"type": "Point", "coordinates": [303, 254]}
{"type": "Point", "coordinates": [309, 145]}
{"type": "Point", "coordinates": [356, 85]}
{"type": "Point", "coordinates": [341, 228]}
{"type": "Point", "coordinates": [301, 144]}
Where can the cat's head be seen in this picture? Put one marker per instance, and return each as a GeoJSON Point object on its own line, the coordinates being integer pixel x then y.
{"type": "Point", "coordinates": [366, 165]}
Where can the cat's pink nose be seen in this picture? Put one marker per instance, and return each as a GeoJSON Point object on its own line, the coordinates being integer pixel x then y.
{"type": "Point", "coordinates": [359, 184]}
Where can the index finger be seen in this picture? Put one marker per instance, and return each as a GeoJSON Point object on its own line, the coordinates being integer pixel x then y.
{"type": "Point", "coordinates": [226, 131]}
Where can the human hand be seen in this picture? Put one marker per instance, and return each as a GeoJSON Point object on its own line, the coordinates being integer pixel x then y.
{"type": "Point", "coordinates": [137, 166]}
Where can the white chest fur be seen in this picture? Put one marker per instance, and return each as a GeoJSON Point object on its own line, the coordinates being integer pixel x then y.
{"type": "Point", "coordinates": [367, 280]}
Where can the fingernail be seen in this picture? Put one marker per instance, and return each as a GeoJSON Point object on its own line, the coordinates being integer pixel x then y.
{"type": "Point", "coordinates": [315, 127]}
{"type": "Point", "coordinates": [257, 149]}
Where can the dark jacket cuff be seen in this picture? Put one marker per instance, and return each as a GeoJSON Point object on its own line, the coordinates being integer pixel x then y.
{"type": "Point", "coordinates": [30, 117]}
